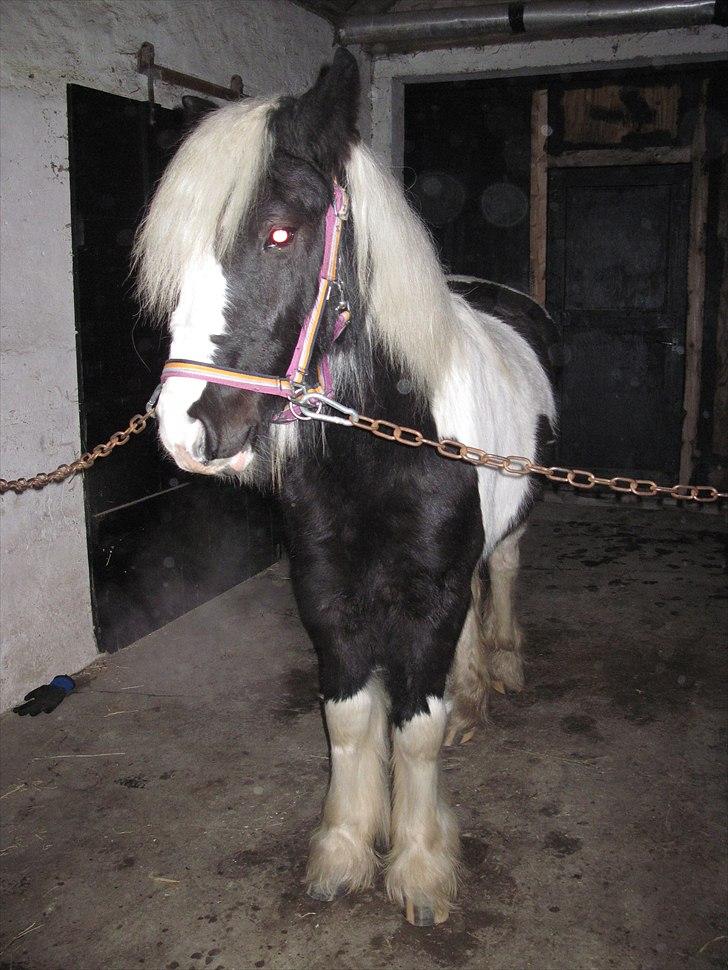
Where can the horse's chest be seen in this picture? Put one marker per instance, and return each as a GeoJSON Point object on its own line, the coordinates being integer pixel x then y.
{"type": "Point", "coordinates": [384, 524]}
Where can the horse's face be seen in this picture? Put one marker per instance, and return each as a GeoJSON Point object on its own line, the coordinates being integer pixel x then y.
{"type": "Point", "coordinates": [246, 312]}
{"type": "Point", "coordinates": [254, 306]}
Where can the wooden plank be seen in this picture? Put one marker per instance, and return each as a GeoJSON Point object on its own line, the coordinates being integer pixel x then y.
{"type": "Point", "coordinates": [719, 475]}
{"type": "Point", "coordinates": [621, 156]}
{"type": "Point", "coordinates": [539, 194]}
{"type": "Point", "coordinates": [606, 114]}
{"type": "Point", "coordinates": [696, 295]}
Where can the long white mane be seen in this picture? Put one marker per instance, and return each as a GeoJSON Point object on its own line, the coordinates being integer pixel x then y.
{"type": "Point", "coordinates": [202, 199]}
{"type": "Point", "coordinates": [409, 306]}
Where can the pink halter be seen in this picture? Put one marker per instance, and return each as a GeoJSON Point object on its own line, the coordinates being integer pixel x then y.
{"type": "Point", "coordinates": [295, 379]}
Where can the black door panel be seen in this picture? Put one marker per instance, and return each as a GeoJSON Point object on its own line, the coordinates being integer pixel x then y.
{"type": "Point", "coordinates": [617, 253]}
{"type": "Point", "coordinates": [160, 541]}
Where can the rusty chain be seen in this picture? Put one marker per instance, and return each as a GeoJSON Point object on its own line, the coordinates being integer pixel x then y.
{"type": "Point", "coordinates": [513, 465]}
{"type": "Point", "coordinates": [18, 485]}
{"type": "Point", "coordinates": [517, 466]}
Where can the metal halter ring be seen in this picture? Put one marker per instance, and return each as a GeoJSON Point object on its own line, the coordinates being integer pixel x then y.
{"type": "Point", "coordinates": [300, 408]}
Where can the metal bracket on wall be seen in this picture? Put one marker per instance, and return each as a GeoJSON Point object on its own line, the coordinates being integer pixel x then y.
{"type": "Point", "coordinates": [155, 72]}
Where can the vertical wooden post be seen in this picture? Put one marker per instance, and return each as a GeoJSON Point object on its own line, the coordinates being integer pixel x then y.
{"type": "Point", "coordinates": [539, 194]}
{"type": "Point", "coordinates": [696, 294]}
{"type": "Point", "coordinates": [719, 475]}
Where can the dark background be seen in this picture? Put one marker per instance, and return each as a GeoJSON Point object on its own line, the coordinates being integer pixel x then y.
{"type": "Point", "coordinates": [616, 256]}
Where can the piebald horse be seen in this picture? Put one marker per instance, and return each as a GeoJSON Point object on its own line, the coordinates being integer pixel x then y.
{"type": "Point", "coordinates": [286, 260]}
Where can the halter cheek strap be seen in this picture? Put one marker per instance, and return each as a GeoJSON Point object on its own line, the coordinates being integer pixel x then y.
{"type": "Point", "coordinates": [295, 380]}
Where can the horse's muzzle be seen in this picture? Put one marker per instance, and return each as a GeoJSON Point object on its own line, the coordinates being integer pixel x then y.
{"type": "Point", "coordinates": [199, 438]}
{"type": "Point", "coordinates": [218, 443]}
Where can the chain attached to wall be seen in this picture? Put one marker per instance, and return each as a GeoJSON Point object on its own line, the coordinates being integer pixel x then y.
{"type": "Point", "coordinates": [19, 485]}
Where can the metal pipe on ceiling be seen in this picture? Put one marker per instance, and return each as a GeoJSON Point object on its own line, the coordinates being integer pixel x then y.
{"type": "Point", "coordinates": [448, 26]}
{"type": "Point", "coordinates": [539, 18]}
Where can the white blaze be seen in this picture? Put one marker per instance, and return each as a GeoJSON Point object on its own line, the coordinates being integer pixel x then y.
{"type": "Point", "coordinates": [197, 319]}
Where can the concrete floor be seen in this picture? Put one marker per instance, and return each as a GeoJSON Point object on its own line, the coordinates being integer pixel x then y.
{"type": "Point", "coordinates": [159, 818]}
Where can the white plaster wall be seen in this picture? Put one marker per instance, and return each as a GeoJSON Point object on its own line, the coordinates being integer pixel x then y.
{"type": "Point", "coordinates": [45, 617]}
{"type": "Point", "coordinates": [523, 57]}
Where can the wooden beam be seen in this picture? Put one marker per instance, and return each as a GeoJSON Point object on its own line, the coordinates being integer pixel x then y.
{"type": "Point", "coordinates": [539, 194]}
{"type": "Point", "coordinates": [621, 156]}
{"type": "Point", "coordinates": [696, 294]}
{"type": "Point", "coordinates": [719, 474]}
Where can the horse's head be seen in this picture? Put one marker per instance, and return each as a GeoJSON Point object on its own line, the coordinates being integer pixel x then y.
{"type": "Point", "coordinates": [232, 246]}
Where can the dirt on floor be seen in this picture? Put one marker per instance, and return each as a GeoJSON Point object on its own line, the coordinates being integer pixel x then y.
{"type": "Point", "coordinates": [159, 818]}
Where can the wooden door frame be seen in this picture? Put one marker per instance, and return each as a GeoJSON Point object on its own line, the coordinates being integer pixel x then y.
{"type": "Point", "coordinates": [541, 161]}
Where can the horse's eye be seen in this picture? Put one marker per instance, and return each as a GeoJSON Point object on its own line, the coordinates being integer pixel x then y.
{"type": "Point", "coordinates": [279, 237]}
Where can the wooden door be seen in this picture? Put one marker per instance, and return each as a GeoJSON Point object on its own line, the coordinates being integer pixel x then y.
{"type": "Point", "coordinates": [160, 541]}
{"type": "Point", "coordinates": [616, 286]}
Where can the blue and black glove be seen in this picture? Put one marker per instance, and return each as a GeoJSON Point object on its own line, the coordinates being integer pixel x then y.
{"type": "Point", "coordinates": [46, 698]}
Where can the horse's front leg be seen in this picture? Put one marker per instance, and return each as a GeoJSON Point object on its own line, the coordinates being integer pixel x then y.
{"type": "Point", "coordinates": [422, 873]}
{"type": "Point", "coordinates": [422, 864]}
{"type": "Point", "coordinates": [356, 811]}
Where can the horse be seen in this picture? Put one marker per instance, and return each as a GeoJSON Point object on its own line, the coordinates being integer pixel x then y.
{"type": "Point", "coordinates": [402, 562]}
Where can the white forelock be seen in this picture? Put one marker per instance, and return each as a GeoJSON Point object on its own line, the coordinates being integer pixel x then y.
{"type": "Point", "coordinates": [202, 198]}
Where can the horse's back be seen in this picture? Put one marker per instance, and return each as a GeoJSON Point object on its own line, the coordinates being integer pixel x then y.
{"type": "Point", "coordinates": [517, 311]}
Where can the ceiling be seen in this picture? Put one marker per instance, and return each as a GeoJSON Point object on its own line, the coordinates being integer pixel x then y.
{"type": "Point", "coordinates": [335, 10]}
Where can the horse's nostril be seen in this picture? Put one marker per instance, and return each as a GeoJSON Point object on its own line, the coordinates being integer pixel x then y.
{"type": "Point", "coordinates": [219, 438]}
{"type": "Point", "coordinates": [207, 444]}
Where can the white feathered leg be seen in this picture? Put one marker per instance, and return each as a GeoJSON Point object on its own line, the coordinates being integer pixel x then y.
{"type": "Point", "coordinates": [421, 873]}
{"type": "Point", "coordinates": [356, 810]}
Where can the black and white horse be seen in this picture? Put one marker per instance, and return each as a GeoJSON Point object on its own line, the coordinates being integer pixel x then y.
{"type": "Point", "coordinates": [402, 562]}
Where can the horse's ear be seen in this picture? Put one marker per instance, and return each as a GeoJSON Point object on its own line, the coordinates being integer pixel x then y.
{"type": "Point", "coordinates": [325, 116]}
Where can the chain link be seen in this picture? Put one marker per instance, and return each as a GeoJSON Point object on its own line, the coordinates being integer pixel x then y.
{"type": "Point", "coordinates": [18, 485]}
{"type": "Point", "coordinates": [518, 466]}
{"type": "Point", "coordinates": [515, 466]}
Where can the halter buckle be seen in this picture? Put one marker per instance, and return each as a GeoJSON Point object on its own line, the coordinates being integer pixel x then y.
{"type": "Point", "coordinates": [343, 303]}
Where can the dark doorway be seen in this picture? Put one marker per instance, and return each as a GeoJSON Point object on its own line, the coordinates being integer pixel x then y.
{"type": "Point", "coordinates": [617, 263]}
{"type": "Point", "coordinates": [609, 238]}
{"type": "Point", "coordinates": [160, 542]}
{"type": "Point", "coordinates": [467, 168]}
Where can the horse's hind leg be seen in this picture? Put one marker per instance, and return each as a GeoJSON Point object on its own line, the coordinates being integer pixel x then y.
{"type": "Point", "coordinates": [469, 678]}
{"type": "Point", "coordinates": [421, 874]}
{"type": "Point", "coordinates": [500, 630]}
{"type": "Point", "coordinates": [488, 653]}
{"type": "Point", "coordinates": [356, 810]}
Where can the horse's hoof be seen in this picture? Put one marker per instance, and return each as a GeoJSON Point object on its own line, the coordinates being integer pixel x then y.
{"type": "Point", "coordinates": [323, 894]}
{"type": "Point", "coordinates": [424, 915]}
{"type": "Point", "coordinates": [462, 733]}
